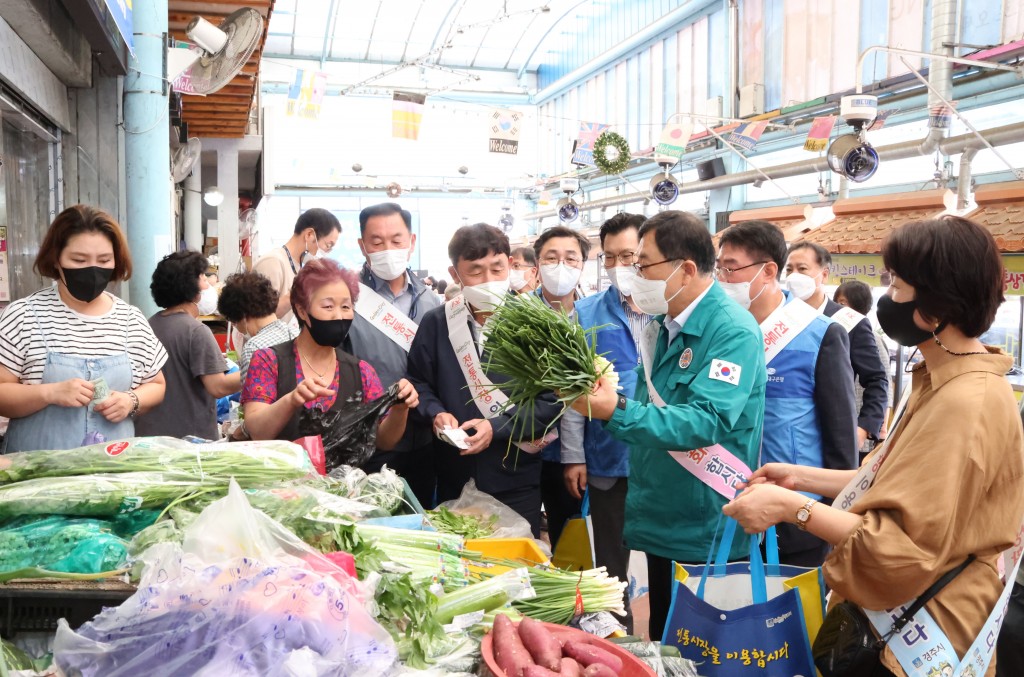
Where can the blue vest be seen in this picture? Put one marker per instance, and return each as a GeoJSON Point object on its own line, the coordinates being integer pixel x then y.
{"type": "Point", "coordinates": [792, 433]}
{"type": "Point", "coordinates": [607, 456]}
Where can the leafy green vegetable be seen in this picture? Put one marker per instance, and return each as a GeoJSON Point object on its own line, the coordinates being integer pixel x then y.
{"type": "Point", "coordinates": [468, 526]}
{"type": "Point", "coordinates": [541, 351]}
{"type": "Point", "coordinates": [250, 463]}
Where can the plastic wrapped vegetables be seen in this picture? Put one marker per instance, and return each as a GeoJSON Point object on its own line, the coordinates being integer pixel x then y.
{"type": "Point", "coordinates": [74, 545]}
{"type": "Point", "coordinates": [98, 495]}
{"type": "Point", "coordinates": [249, 463]}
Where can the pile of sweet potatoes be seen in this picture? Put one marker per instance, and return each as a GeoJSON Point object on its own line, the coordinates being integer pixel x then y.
{"type": "Point", "coordinates": [532, 651]}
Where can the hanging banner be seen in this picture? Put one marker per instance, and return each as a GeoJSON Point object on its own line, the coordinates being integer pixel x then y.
{"type": "Point", "coordinates": [306, 94]}
{"type": "Point", "coordinates": [584, 151]}
{"type": "Point", "coordinates": [821, 129]}
{"type": "Point", "coordinates": [746, 136]}
{"type": "Point", "coordinates": [121, 11]}
{"type": "Point", "coordinates": [880, 119]}
{"type": "Point", "coordinates": [504, 137]}
{"type": "Point", "coordinates": [673, 140]}
{"type": "Point", "coordinates": [407, 115]}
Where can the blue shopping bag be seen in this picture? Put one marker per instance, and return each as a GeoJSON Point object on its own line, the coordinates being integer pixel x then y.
{"type": "Point", "coordinates": [740, 620]}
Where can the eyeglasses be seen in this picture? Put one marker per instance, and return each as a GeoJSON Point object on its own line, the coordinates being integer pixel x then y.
{"type": "Point", "coordinates": [623, 259]}
{"type": "Point", "coordinates": [521, 266]}
{"type": "Point", "coordinates": [637, 268]}
{"type": "Point", "coordinates": [721, 272]}
{"type": "Point", "coordinates": [571, 261]}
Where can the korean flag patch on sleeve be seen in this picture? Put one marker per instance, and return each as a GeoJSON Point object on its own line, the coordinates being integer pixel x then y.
{"type": "Point", "coordinates": [725, 371]}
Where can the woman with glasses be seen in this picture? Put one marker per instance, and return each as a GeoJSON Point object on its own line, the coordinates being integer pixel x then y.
{"type": "Point", "coordinates": [948, 484]}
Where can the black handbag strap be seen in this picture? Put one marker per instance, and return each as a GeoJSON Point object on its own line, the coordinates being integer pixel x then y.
{"type": "Point", "coordinates": [925, 597]}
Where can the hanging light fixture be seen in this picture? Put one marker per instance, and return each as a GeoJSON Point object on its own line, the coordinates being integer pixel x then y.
{"type": "Point", "coordinates": [213, 196]}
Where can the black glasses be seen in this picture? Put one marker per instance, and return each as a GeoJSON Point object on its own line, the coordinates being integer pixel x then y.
{"type": "Point", "coordinates": [719, 270]}
{"type": "Point", "coordinates": [637, 268]}
{"type": "Point", "coordinates": [623, 259]}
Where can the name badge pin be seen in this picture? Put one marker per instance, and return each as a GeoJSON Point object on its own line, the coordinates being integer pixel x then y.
{"type": "Point", "coordinates": [685, 359]}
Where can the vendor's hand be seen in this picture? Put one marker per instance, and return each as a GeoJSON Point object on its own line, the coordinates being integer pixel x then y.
{"type": "Point", "coordinates": [575, 479]}
{"type": "Point", "coordinates": [443, 421]}
{"type": "Point", "coordinates": [407, 395]}
{"type": "Point", "coordinates": [763, 505]}
{"type": "Point", "coordinates": [479, 440]}
{"type": "Point", "coordinates": [116, 407]}
{"type": "Point", "coordinates": [307, 391]}
{"type": "Point", "coordinates": [862, 437]}
{"type": "Point", "coordinates": [600, 404]}
{"type": "Point", "coordinates": [780, 474]}
{"type": "Point", "coordinates": [74, 392]}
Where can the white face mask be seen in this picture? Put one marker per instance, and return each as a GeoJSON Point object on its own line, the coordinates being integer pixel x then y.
{"type": "Point", "coordinates": [517, 279]}
{"type": "Point", "coordinates": [623, 278]}
{"type": "Point", "coordinates": [389, 264]}
{"type": "Point", "coordinates": [486, 296]}
{"type": "Point", "coordinates": [802, 286]}
{"type": "Point", "coordinates": [649, 295]}
{"type": "Point", "coordinates": [559, 279]}
{"type": "Point", "coordinates": [207, 304]}
{"type": "Point", "coordinates": [740, 291]}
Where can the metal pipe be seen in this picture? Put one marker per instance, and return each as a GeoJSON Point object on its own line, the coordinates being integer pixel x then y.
{"type": "Point", "coordinates": [963, 181]}
{"type": "Point", "coordinates": [940, 70]}
{"type": "Point", "coordinates": [734, 58]}
{"type": "Point", "coordinates": [1019, 70]}
{"type": "Point", "coordinates": [844, 187]}
{"type": "Point", "coordinates": [149, 226]}
{"type": "Point", "coordinates": [999, 136]}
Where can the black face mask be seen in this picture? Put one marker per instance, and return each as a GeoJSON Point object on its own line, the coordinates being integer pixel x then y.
{"type": "Point", "coordinates": [328, 333]}
{"type": "Point", "coordinates": [897, 321]}
{"type": "Point", "coordinates": [85, 284]}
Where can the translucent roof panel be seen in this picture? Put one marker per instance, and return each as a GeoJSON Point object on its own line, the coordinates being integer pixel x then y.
{"type": "Point", "coordinates": [488, 34]}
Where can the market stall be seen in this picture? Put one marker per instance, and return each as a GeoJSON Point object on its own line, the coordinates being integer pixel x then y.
{"type": "Point", "coordinates": [201, 556]}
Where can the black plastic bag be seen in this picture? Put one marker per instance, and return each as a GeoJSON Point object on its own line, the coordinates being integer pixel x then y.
{"type": "Point", "coordinates": [349, 434]}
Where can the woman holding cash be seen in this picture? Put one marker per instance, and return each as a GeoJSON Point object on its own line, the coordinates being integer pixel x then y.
{"type": "Point", "coordinates": [77, 364]}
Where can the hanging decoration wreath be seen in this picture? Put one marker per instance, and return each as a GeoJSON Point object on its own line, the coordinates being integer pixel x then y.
{"type": "Point", "coordinates": [611, 153]}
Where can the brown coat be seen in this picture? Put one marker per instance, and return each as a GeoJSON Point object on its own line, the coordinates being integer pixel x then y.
{"type": "Point", "coordinates": [952, 485]}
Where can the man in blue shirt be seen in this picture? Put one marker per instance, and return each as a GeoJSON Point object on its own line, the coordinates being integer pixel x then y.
{"type": "Point", "coordinates": [809, 414]}
{"type": "Point", "coordinates": [592, 459]}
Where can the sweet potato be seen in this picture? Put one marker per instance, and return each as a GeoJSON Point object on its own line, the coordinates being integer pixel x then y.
{"type": "Point", "coordinates": [509, 652]}
{"type": "Point", "coordinates": [538, 671]}
{"type": "Point", "coordinates": [570, 668]}
{"type": "Point", "coordinates": [542, 645]}
{"type": "Point", "coordinates": [588, 654]}
{"type": "Point", "coordinates": [599, 670]}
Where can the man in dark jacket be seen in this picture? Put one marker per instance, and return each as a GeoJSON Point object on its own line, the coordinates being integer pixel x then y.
{"type": "Point", "coordinates": [807, 268]}
{"type": "Point", "coordinates": [392, 301]}
{"type": "Point", "coordinates": [445, 364]}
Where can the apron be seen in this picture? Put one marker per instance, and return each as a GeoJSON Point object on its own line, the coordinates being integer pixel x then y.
{"type": "Point", "coordinates": [56, 427]}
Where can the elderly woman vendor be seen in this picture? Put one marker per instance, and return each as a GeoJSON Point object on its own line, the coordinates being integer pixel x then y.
{"type": "Point", "coordinates": [950, 481]}
{"type": "Point", "coordinates": [311, 370]}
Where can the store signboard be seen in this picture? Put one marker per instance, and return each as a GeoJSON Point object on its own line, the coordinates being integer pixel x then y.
{"type": "Point", "coordinates": [869, 268]}
{"type": "Point", "coordinates": [121, 11]}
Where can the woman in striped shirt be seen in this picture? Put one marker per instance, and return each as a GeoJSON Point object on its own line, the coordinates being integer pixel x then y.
{"type": "Point", "coordinates": [77, 364]}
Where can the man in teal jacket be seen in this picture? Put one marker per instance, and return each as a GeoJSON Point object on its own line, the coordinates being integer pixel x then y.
{"type": "Point", "coordinates": [707, 364]}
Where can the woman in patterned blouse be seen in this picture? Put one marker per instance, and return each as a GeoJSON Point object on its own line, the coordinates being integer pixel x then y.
{"type": "Point", "coordinates": [311, 370]}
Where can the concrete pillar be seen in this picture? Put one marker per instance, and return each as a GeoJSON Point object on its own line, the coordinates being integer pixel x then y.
{"type": "Point", "coordinates": [227, 212]}
{"type": "Point", "coordinates": [194, 209]}
{"type": "Point", "coordinates": [149, 224]}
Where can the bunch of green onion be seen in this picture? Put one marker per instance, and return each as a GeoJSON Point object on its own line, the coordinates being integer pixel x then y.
{"type": "Point", "coordinates": [556, 594]}
{"type": "Point", "coordinates": [462, 524]}
{"type": "Point", "coordinates": [250, 463]}
{"type": "Point", "coordinates": [542, 350]}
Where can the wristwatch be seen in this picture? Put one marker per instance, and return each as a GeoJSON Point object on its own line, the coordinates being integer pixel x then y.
{"type": "Point", "coordinates": [621, 403]}
{"type": "Point", "coordinates": [803, 515]}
